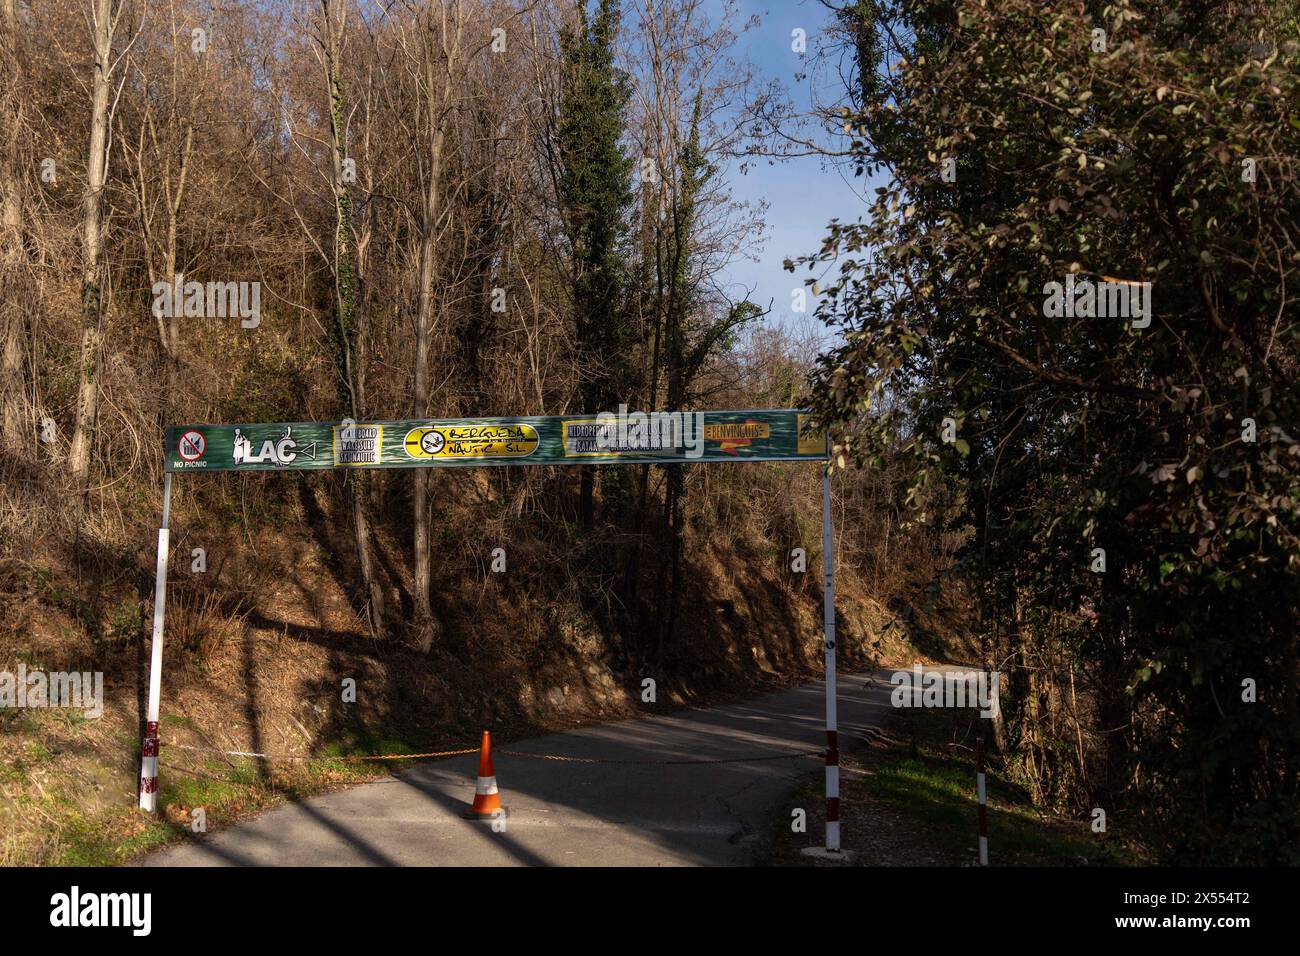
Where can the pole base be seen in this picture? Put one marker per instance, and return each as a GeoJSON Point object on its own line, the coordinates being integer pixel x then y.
{"type": "Point", "coordinates": [821, 853]}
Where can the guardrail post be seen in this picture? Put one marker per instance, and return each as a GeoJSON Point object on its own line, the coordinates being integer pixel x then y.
{"type": "Point", "coordinates": [832, 725]}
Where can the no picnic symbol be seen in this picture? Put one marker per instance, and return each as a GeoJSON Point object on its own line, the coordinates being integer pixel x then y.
{"type": "Point", "coordinates": [191, 446]}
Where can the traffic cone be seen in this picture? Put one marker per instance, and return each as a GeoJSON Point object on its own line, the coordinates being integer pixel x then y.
{"type": "Point", "coordinates": [487, 802]}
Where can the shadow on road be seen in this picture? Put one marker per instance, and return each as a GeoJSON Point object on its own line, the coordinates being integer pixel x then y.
{"type": "Point", "coordinates": [634, 806]}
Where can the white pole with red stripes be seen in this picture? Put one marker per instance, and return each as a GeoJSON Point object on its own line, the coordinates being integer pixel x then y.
{"type": "Point", "coordinates": [983, 810]}
{"type": "Point", "coordinates": [149, 758]}
{"type": "Point", "coordinates": [832, 745]}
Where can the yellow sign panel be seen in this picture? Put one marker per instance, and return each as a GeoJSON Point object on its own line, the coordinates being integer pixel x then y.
{"type": "Point", "coordinates": [737, 435]}
{"type": "Point", "coordinates": [810, 442]}
{"type": "Point", "coordinates": [732, 431]}
{"type": "Point", "coordinates": [471, 441]}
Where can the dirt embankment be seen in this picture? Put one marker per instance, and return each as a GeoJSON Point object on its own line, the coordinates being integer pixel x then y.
{"type": "Point", "coordinates": [267, 653]}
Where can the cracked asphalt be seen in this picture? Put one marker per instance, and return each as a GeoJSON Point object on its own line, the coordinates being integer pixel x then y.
{"type": "Point", "coordinates": [565, 813]}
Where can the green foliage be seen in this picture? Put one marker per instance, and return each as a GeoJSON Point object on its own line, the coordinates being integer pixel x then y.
{"type": "Point", "coordinates": [1079, 433]}
{"type": "Point", "coordinates": [126, 622]}
{"type": "Point", "coordinates": [595, 192]}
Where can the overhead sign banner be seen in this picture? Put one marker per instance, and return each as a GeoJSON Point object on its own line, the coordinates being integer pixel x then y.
{"type": "Point", "coordinates": [621, 437]}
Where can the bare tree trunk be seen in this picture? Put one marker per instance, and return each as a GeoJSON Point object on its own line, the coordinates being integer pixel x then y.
{"type": "Point", "coordinates": [11, 183]}
{"type": "Point", "coordinates": [14, 432]}
{"type": "Point", "coordinates": [173, 345]}
{"type": "Point", "coordinates": [103, 23]}
{"type": "Point", "coordinates": [420, 400]}
{"type": "Point", "coordinates": [351, 361]}
{"type": "Point", "coordinates": [441, 53]}
{"type": "Point", "coordinates": [173, 192]}
{"type": "Point", "coordinates": [425, 622]}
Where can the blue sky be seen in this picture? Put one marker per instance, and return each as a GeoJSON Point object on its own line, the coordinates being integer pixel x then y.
{"type": "Point", "coordinates": [803, 194]}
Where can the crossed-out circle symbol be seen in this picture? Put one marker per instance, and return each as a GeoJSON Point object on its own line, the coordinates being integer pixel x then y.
{"type": "Point", "coordinates": [191, 446]}
{"type": "Point", "coordinates": [432, 441]}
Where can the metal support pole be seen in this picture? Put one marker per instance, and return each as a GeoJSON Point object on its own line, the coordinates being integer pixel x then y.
{"type": "Point", "coordinates": [832, 744]}
{"type": "Point", "coordinates": [980, 793]}
{"type": "Point", "coordinates": [149, 752]}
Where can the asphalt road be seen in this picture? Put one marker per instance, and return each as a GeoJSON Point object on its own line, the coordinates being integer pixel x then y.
{"type": "Point", "coordinates": [566, 813]}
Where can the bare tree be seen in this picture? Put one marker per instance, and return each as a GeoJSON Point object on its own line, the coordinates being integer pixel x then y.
{"type": "Point", "coordinates": [440, 53]}
{"type": "Point", "coordinates": [105, 17]}
{"type": "Point", "coordinates": [688, 94]}
{"type": "Point", "coordinates": [162, 160]}
{"type": "Point", "coordinates": [351, 357]}
{"type": "Point", "coordinates": [14, 420]}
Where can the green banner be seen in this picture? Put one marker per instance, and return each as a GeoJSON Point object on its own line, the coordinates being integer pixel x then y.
{"type": "Point", "coordinates": [606, 439]}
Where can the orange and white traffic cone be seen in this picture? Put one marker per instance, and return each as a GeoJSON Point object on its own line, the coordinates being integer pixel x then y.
{"type": "Point", "coordinates": [487, 801]}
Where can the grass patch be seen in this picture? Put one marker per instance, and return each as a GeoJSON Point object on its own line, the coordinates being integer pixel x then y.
{"type": "Point", "coordinates": [109, 839]}
{"type": "Point", "coordinates": [937, 793]}
{"type": "Point", "coordinates": [72, 833]}
{"type": "Point", "coordinates": [909, 799]}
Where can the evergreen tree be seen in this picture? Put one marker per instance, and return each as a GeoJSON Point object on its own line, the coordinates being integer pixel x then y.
{"type": "Point", "coordinates": [595, 193]}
